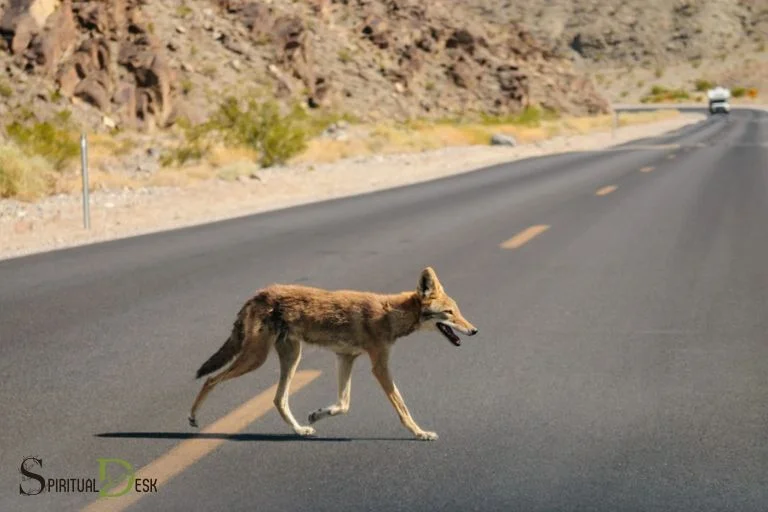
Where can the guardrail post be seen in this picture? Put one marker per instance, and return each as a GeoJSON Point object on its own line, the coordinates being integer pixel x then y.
{"type": "Point", "coordinates": [84, 169]}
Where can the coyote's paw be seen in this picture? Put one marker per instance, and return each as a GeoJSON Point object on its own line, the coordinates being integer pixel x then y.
{"type": "Point", "coordinates": [427, 436]}
{"type": "Point", "coordinates": [192, 422]}
{"type": "Point", "coordinates": [305, 431]}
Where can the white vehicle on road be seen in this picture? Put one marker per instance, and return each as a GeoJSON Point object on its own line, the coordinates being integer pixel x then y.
{"type": "Point", "coordinates": [718, 100]}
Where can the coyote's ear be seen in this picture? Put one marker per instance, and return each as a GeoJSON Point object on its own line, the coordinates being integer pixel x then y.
{"type": "Point", "coordinates": [429, 284]}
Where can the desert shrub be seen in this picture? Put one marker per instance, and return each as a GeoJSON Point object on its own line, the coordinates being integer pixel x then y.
{"type": "Point", "coordinates": [661, 94]}
{"type": "Point", "coordinates": [274, 134]}
{"type": "Point", "coordinates": [345, 55]}
{"type": "Point", "coordinates": [752, 92]}
{"type": "Point", "coordinates": [186, 86]}
{"type": "Point", "coordinates": [194, 146]}
{"type": "Point", "coordinates": [262, 127]}
{"type": "Point", "coordinates": [54, 139]}
{"type": "Point", "coordinates": [184, 10]}
{"type": "Point", "coordinates": [703, 85]}
{"type": "Point", "coordinates": [5, 89]}
{"type": "Point", "coordinates": [738, 92]}
{"type": "Point", "coordinates": [23, 176]}
{"type": "Point", "coordinates": [530, 116]}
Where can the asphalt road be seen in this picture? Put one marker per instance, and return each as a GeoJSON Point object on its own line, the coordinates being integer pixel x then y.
{"type": "Point", "coordinates": [621, 363]}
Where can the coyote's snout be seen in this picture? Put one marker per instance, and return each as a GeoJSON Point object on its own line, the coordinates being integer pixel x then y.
{"type": "Point", "coordinates": [346, 322]}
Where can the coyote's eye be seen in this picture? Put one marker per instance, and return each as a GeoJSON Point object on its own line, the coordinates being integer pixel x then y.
{"type": "Point", "coordinates": [448, 311]}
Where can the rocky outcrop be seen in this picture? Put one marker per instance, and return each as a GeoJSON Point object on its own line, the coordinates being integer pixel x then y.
{"type": "Point", "coordinates": [491, 72]}
{"type": "Point", "coordinates": [99, 52]}
{"type": "Point", "coordinates": [143, 64]}
{"type": "Point", "coordinates": [637, 32]}
{"type": "Point", "coordinates": [288, 36]}
{"type": "Point", "coordinates": [435, 59]}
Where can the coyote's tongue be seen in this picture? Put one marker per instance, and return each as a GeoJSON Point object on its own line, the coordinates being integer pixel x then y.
{"type": "Point", "coordinates": [448, 333]}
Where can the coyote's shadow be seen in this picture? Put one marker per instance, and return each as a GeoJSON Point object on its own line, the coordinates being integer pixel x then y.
{"type": "Point", "coordinates": [242, 437]}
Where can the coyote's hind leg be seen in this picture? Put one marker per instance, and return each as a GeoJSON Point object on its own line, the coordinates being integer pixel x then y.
{"type": "Point", "coordinates": [252, 356]}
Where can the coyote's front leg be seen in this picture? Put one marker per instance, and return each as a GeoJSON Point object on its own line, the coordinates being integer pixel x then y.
{"type": "Point", "coordinates": [380, 368]}
{"type": "Point", "coordinates": [344, 362]}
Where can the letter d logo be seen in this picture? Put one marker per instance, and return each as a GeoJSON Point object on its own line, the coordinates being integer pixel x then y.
{"type": "Point", "coordinates": [107, 483]}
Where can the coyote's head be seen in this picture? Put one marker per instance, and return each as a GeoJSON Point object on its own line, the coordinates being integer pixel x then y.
{"type": "Point", "coordinates": [439, 311]}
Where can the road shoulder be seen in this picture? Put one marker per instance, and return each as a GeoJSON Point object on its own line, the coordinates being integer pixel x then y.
{"type": "Point", "coordinates": [56, 222]}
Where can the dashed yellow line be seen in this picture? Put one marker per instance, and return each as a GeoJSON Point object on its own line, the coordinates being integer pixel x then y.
{"type": "Point", "coordinates": [524, 237]}
{"type": "Point", "coordinates": [606, 190]}
{"type": "Point", "coordinates": [647, 169]}
{"type": "Point", "coordinates": [186, 453]}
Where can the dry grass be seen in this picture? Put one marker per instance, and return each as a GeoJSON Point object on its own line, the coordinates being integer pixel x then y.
{"type": "Point", "coordinates": [102, 146]}
{"type": "Point", "coordinates": [423, 136]}
{"type": "Point", "coordinates": [30, 177]}
{"type": "Point", "coordinates": [71, 183]}
{"type": "Point", "coordinates": [22, 176]}
{"type": "Point", "coordinates": [221, 156]}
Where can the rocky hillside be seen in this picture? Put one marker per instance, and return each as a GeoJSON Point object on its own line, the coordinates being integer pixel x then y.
{"type": "Point", "coordinates": [143, 64]}
{"type": "Point", "coordinates": [630, 33]}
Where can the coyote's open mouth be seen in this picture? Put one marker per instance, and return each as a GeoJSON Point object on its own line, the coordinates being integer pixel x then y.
{"type": "Point", "coordinates": [448, 333]}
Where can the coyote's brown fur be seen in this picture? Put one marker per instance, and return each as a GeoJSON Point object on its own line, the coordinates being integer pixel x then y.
{"type": "Point", "coordinates": [346, 322]}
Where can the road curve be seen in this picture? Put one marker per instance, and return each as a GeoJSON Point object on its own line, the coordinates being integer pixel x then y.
{"type": "Point", "coordinates": [621, 364]}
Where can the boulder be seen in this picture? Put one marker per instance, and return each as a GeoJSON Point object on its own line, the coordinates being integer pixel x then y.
{"type": "Point", "coordinates": [47, 38]}
{"type": "Point", "coordinates": [58, 36]}
{"type": "Point", "coordinates": [155, 83]}
{"type": "Point", "coordinates": [24, 29]}
{"type": "Point", "coordinates": [93, 92]}
{"type": "Point", "coordinates": [501, 139]}
{"type": "Point", "coordinates": [462, 74]}
{"type": "Point", "coordinates": [376, 30]}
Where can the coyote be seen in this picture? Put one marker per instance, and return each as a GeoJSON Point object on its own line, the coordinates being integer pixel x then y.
{"type": "Point", "coordinates": [346, 322]}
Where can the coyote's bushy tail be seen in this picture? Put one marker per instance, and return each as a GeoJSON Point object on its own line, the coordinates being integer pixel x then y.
{"type": "Point", "coordinates": [229, 349]}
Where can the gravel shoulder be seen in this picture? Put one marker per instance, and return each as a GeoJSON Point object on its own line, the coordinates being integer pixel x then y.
{"type": "Point", "coordinates": [56, 222]}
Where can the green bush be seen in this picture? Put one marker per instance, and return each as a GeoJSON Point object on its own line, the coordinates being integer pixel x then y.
{"type": "Point", "coordinates": [703, 85]}
{"type": "Point", "coordinates": [660, 94]}
{"type": "Point", "coordinates": [5, 89]}
{"type": "Point", "coordinates": [738, 92]}
{"type": "Point", "coordinates": [53, 140]}
{"type": "Point", "coordinates": [21, 175]}
{"type": "Point", "coordinates": [529, 116]}
{"type": "Point", "coordinates": [262, 126]}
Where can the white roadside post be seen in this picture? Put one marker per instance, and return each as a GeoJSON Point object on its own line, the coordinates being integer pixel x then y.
{"type": "Point", "coordinates": [84, 168]}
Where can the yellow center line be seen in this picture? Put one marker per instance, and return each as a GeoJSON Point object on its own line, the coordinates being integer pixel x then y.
{"type": "Point", "coordinates": [186, 453]}
{"type": "Point", "coordinates": [606, 190]}
{"type": "Point", "coordinates": [523, 237]}
{"type": "Point", "coordinates": [647, 169]}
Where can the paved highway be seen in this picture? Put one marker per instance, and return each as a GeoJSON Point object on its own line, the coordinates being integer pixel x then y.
{"type": "Point", "coordinates": [621, 361]}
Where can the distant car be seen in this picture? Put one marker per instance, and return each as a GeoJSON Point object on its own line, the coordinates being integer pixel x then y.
{"type": "Point", "coordinates": [719, 107]}
{"type": "Point", "coordinates": [718, 100]}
